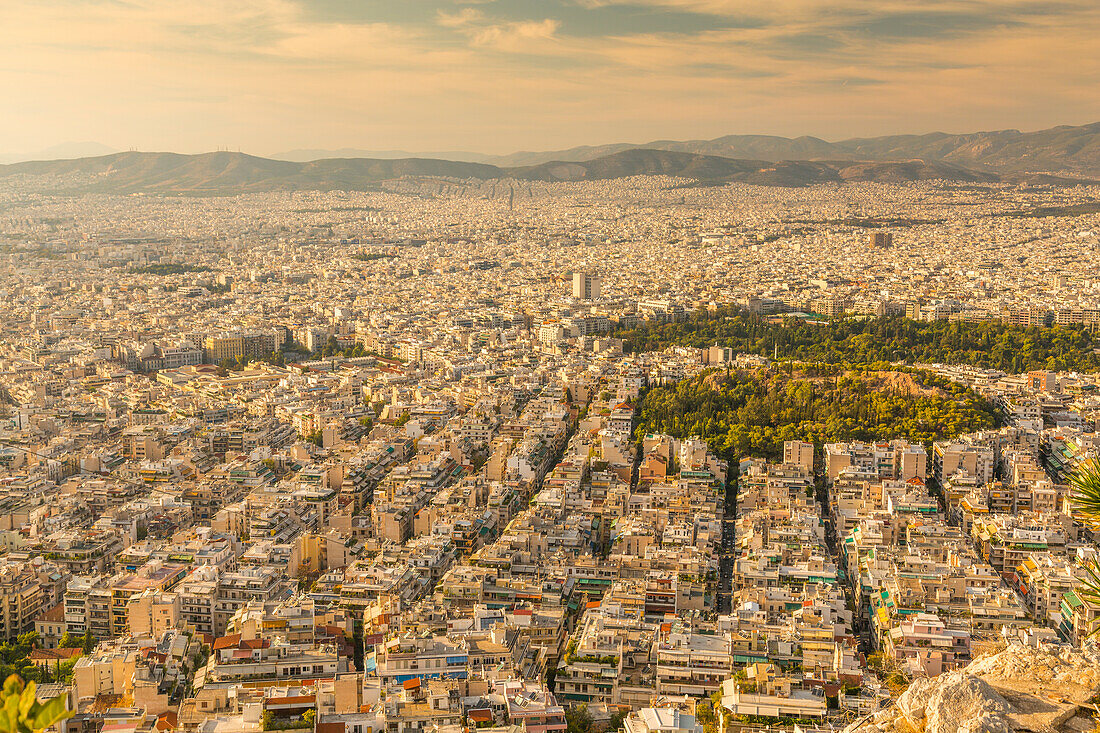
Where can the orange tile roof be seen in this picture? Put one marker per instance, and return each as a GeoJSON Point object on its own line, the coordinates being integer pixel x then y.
{"type": "Point", "coordinates": [227, 642]}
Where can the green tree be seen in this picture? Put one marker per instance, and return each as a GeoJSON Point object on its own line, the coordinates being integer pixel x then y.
{"type": "Point", "coordinates": [578, 719]}
{"type": "Point", "coordinates": [754, 412]}
{"type": "Point", "coordinates": [70, 641]}
{"type": "Point", "coordinates": [704, 713]}
{"type": "Point", "coordinates": [168, 269]}
{"type": "Point", "coordinates": [63, 673]}
{"type": "Point", "coordinates": [888, 339]}
{"type": "Point", "coordinates": [357, 646]}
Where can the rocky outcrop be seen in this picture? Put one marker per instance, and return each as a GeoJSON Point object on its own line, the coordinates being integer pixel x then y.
{"type": "Point", "coordinates": [1018, 689]}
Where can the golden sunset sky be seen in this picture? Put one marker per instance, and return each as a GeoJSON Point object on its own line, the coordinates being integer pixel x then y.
{"type": "Point", "coordinates": [497, 76]}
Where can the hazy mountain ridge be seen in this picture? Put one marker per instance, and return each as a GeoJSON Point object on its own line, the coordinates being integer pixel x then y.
{"type": "Point", "coordinates": [224, 173]}
{"type": "Point", "coordinates": [706, 168]}
{"type": "Point", "coordinates": [752, 147]}
{"type": "Point", "coordinates": [60, 151]}
{"type": "Point", "coordinates": [228, 172]}
{"type": "Point", "coordinates": [1063, 148]}
{"type": "Point", "coordinates": [306, 155]}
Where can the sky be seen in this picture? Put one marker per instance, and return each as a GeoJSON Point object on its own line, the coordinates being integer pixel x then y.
{"type": "Point", "coordinates": [497, 76]}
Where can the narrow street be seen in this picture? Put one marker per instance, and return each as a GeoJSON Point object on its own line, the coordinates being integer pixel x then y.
{"type": "Point", "coordinates": [727, 551]}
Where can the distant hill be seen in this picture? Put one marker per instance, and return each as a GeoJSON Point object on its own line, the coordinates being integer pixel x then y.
{"type": "Point", "coordinates": [1058, 149]}
{"type": "Point", "coordinates": [706, 168]}
{"type": "Point", "coordinates": [1062, 148]}
{"type": "Point", "coordinates": [57, 152]}
{"type": "Point", "coordinates": [225, 173]}
{"type": "Point", "coordinates": [1065, 149]}
{"type": "Point", "coordinates": [307, 155]}
{"type": "Point", "coordinates": [752, 147]}
{"type": "Point", "coordinates": [913, 170]}
{"type": "Point", "coordinates": [711, 168]}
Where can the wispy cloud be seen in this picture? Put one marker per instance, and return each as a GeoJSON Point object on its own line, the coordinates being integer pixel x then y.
{"type": "Point", "coordinates": [509, 36]}
{"type": "Point", "coordinates": [504, 74]}
{"type": "Point", "coordinates": [461, 18]}
{"type": "Point", "coordinates": [516, 36]}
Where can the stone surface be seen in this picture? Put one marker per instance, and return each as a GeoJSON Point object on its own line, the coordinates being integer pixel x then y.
{"type": "Point", "coordinates": [1017, 689]}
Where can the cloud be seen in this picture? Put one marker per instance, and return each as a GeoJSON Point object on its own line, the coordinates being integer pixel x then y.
{"type": "Point", "coordinates": [509, 74]}
{"type": "Point", "coordinates": [460, 19]}
{"type": "Point", "coordinates": [515, 37]}
{"type": "Point", "coordinates": [506, 36]}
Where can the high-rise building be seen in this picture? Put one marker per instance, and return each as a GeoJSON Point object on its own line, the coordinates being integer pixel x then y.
{"type": "Point", "coordinates": [882, 239]}
{"type": "Point", "coordinates": [585, 286]}
{"type": "Point", "coordinates": [799, 453]}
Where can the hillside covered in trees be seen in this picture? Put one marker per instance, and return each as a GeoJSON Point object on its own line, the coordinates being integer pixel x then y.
{"type": "Point", "coordinates": [743, 413]}
{"type": "Point", "coordinates": [170, 268]}
{"type": "Point", "coordinates": [992, 345]}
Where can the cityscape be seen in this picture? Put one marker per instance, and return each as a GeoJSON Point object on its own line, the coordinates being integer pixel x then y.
{"type": "Point", "coordinates": [666, 438]}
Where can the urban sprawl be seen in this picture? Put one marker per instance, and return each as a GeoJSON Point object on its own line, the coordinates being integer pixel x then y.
{"type": "Point", "coordinates": [372, 462]}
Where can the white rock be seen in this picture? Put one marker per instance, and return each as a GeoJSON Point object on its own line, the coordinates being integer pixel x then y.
{"type": "Point", "coordinates": [1041, 684]}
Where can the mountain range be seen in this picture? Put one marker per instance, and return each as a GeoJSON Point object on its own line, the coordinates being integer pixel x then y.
{"type": "Point", "coordinates": [1061, 155]}
{"type": "Point", "coordinates": [224, 173]}
{"type": "Point", "coordinates": [1064, 149]}
{"type": "Point", "coordinates": [1058, 149]}
{"type": "Point", "coordinates": [305, 155]}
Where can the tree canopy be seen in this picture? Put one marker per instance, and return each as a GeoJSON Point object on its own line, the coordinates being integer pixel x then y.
{"type": "Point", "coordinates": [753, 412]}
{"type": "Point", "coordinates": [168, 269]}
{"type": "Point", "coordinates": [988, 344]}
{"type": "Point", "coordinates": [14, 660]}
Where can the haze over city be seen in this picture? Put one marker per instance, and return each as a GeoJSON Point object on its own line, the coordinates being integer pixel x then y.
{"type": "Point", "coordinates": [549, 366]}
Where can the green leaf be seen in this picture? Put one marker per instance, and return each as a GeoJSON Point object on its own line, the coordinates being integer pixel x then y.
{"type": "Point", "coordinates": [1086, 494]}
{"type": "Point", "coordinates": [1090, 585]}
{"type": "Point", "coordinates": [27, 700]}
{"type": "Point", "coordinates": [20, 711]}
{"type": "Point", "coordinates": [11, 712]}
{"type": "Point", "coordinates": [50, 713]}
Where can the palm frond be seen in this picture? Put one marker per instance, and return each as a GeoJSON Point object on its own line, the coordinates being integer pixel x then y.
{"type": "Point", "coordinates": [1085, 501]}
{"type": "Point", "coordinates": [1085, 498]}
{"type": "Point", "coordinates": [1089, 588]}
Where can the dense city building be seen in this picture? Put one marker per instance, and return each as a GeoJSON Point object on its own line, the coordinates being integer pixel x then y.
{"type": "Point", "coordinates": [366, 461]}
